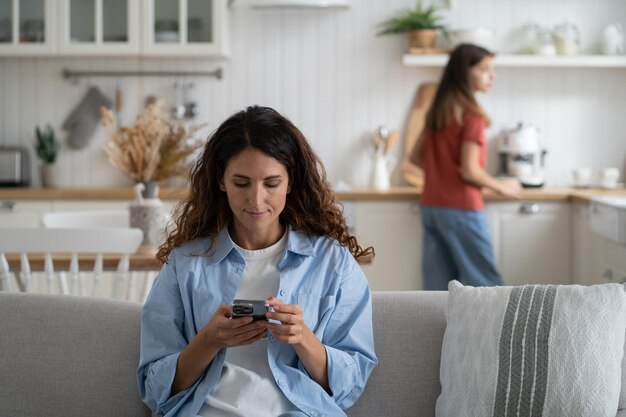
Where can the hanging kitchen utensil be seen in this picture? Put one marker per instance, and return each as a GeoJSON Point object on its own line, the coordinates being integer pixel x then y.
{"type": "Point", "coordinates": [119, 103]}
{"type": "Point", "coordinates": [84, 119]}
{"type": "Point", "coordinates": [191, 110]}
{"type": "Point", "coordinates": [178, 109]}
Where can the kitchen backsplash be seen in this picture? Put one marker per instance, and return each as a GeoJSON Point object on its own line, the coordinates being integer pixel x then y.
{"type": "Point", "coordinates": [328, 72]}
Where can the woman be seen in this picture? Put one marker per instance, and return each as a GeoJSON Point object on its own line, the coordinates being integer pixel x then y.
{"type": "Point", "coordinates": [260, 222]}
{"type": "Point", "coordinates": [452, 152]}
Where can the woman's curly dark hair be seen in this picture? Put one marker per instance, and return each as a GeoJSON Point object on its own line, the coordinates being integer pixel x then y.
{"type": "Point", "coordinates": [311, 206]}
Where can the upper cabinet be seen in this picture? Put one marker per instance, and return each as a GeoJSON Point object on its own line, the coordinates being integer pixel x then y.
{"type": "Point", "coordinates": [89, 27]}
{"type": "Point", "coordinates": [184, 27]}
{"type": "Point", "coordinates": [113, 27]}
{"type": "Point", "coordinates": [27, 27]}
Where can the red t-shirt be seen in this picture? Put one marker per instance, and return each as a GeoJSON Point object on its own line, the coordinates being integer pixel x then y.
{"type": "Point", "coordinates": [443, 184]}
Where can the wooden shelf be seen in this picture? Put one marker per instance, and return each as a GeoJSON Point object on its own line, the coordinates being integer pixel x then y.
{"type": "Point", "coordinates": [577, 61]}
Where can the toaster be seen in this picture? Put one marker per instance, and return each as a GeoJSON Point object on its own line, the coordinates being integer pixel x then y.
{"type": "Point", "coordinates": [14, 166]}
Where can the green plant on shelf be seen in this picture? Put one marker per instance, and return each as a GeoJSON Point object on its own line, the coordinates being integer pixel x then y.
{"type": "Point", "coordinates": [47, 145]}
{"type": "Point", "coordinates": [418, 18]}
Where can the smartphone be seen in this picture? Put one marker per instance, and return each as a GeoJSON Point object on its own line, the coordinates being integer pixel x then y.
{"type": "Point", "coordinates": [254, 308]}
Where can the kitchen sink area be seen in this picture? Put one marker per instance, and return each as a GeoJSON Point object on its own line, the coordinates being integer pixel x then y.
{"type": "Point", "coordinates": [607, 217]}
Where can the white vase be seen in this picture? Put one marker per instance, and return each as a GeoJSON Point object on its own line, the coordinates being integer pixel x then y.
{"type": "Point", "coordinates": [151, 219]}
{"type": "Point", "coordinates": [382, 166]}
{"type": "Point", "coordinates": [148, 214]}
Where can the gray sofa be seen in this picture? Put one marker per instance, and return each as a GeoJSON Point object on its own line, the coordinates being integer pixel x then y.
{"type": "Point", "coordinates": [76, 356]}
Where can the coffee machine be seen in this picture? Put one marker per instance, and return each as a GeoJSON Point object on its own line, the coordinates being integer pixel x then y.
{"type": "Point", "coordinates": [521, 156]}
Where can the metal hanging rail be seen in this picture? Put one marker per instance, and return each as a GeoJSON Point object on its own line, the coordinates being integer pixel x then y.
{"type": "Point", "coordinates": [74, 75]}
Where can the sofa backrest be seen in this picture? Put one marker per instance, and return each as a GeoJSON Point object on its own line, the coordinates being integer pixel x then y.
{"type": "Point", "coordinates": [69, 356]}
{"type": "Point", "coordinates": [408, 333]}
{"type": "Point", "coordinates": [77, 356]}
{"type": "Point", "coordinates": [622, 393]}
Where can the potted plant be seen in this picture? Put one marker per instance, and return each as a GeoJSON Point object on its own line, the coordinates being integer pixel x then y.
{"type": "Point", "coordinates": [421, 23]}
{"type": "Point", "coordinates": [47, 148]}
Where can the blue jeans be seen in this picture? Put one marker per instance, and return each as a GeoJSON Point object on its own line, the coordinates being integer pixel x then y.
{"type": "Point", "coordinates": [457, 245]}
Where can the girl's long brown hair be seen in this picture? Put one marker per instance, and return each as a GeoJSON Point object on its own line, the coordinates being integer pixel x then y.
{"type": "Point", "coordinates": [311, 206]}
{"type": "Point", "coordinates": [454, 92]}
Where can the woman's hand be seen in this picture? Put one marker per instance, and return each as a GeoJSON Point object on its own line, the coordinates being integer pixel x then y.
{"type": "Point", "coordinates": [222, 331]}
{"type": "Point", "coordinates": [292, 330]}
{"type": "Point", "coordinates": [291, 325]}
{"type": "Point", "coordinates": [510, 187]}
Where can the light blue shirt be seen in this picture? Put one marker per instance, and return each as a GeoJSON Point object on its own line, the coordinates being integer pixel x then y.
{"type": "Point", "coordinates": [316, 273]}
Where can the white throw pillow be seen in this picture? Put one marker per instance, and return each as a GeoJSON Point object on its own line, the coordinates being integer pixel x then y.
{"type": "Point", "coordinates": [540, 350]}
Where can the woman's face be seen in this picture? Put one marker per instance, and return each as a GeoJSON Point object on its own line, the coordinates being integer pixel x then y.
{"type": "Point", "coordinates": [256, 186]}
{"type": "Point", "coordinates": [482, 75]}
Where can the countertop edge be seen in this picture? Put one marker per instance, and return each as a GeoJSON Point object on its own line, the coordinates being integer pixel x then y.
{"type": "Point", "coordinates": [402, 193]}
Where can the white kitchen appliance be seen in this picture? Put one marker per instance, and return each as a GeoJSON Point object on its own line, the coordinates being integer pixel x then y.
{"type": "Point", "coordinates": [521, 156]}
{"type": "Point", "coordinates": [14, 166]}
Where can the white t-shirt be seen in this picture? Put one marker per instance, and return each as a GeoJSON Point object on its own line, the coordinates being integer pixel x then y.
{"type": "Point", "coordinates": [246, 387]}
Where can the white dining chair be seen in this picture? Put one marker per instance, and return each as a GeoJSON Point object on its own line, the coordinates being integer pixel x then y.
{"type": "Point", "coordinates": [101, 218]}
{"type": "Point", "coordinates": [93, 243]}
{"type": "Point", "coordinates": [86, 218]}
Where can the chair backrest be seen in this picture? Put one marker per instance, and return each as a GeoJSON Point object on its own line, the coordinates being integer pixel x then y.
{"type": "Point", "coordinates": [93, 244]}
{"type": "Point", "coordinates": [104, 218]}
{"type": "Point", "coordinates": [86, 219]}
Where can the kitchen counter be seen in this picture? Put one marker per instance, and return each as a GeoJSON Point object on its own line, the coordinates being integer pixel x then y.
{"type": "Point", "coordinates": [405, 193]}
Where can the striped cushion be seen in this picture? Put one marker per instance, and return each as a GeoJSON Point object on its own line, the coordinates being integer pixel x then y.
{"type": "Point", "coordinates": [536, 350]}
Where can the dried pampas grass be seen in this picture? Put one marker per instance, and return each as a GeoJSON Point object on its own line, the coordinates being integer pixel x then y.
{"type": "Point", "coordinates": [151, 150]}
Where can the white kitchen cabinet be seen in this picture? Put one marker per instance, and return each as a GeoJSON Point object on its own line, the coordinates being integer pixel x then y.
{"type": "Point", "coordinates": [586, 247]}
{"type": "Point", "coordinates": [611, 266]}
{"type": "Point", "coordinates": [394, 229]}
{"type": "Point", "coordinates": [113, 27]}
{"type": "Point", "coordinates": [184, 27]}
{"type": "Point", "coordinates": [596, 260]}
{"type": "Point", "coordinates": [27, 27]}
{"type": "Point", "coordinates": [22, 213]}
{"type": "Point", "coordinates": [532, 241]}
{"type": "Point", "coordinates": [99, 27]}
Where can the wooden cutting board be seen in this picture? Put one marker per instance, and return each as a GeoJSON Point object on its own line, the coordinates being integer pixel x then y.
{"type": "Point", "coordinates": [422, 100]}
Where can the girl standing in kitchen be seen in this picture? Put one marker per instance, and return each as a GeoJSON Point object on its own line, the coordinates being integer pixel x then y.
{"type": "Point", "coordinates": [452, 152]}
{"type": "Point", "coordinates": [260, 222]}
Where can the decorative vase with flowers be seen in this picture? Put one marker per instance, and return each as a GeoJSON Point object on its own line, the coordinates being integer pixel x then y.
{"type": "Point", "coordinates": [150, 151]}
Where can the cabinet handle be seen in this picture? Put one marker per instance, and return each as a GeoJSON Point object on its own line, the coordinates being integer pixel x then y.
{"type": "Point", "coordinates": [529, 208]}
{"type": "Point", "coordinates": [9, 206]}
{"type": "Point", "coordinates": [608, 274]}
